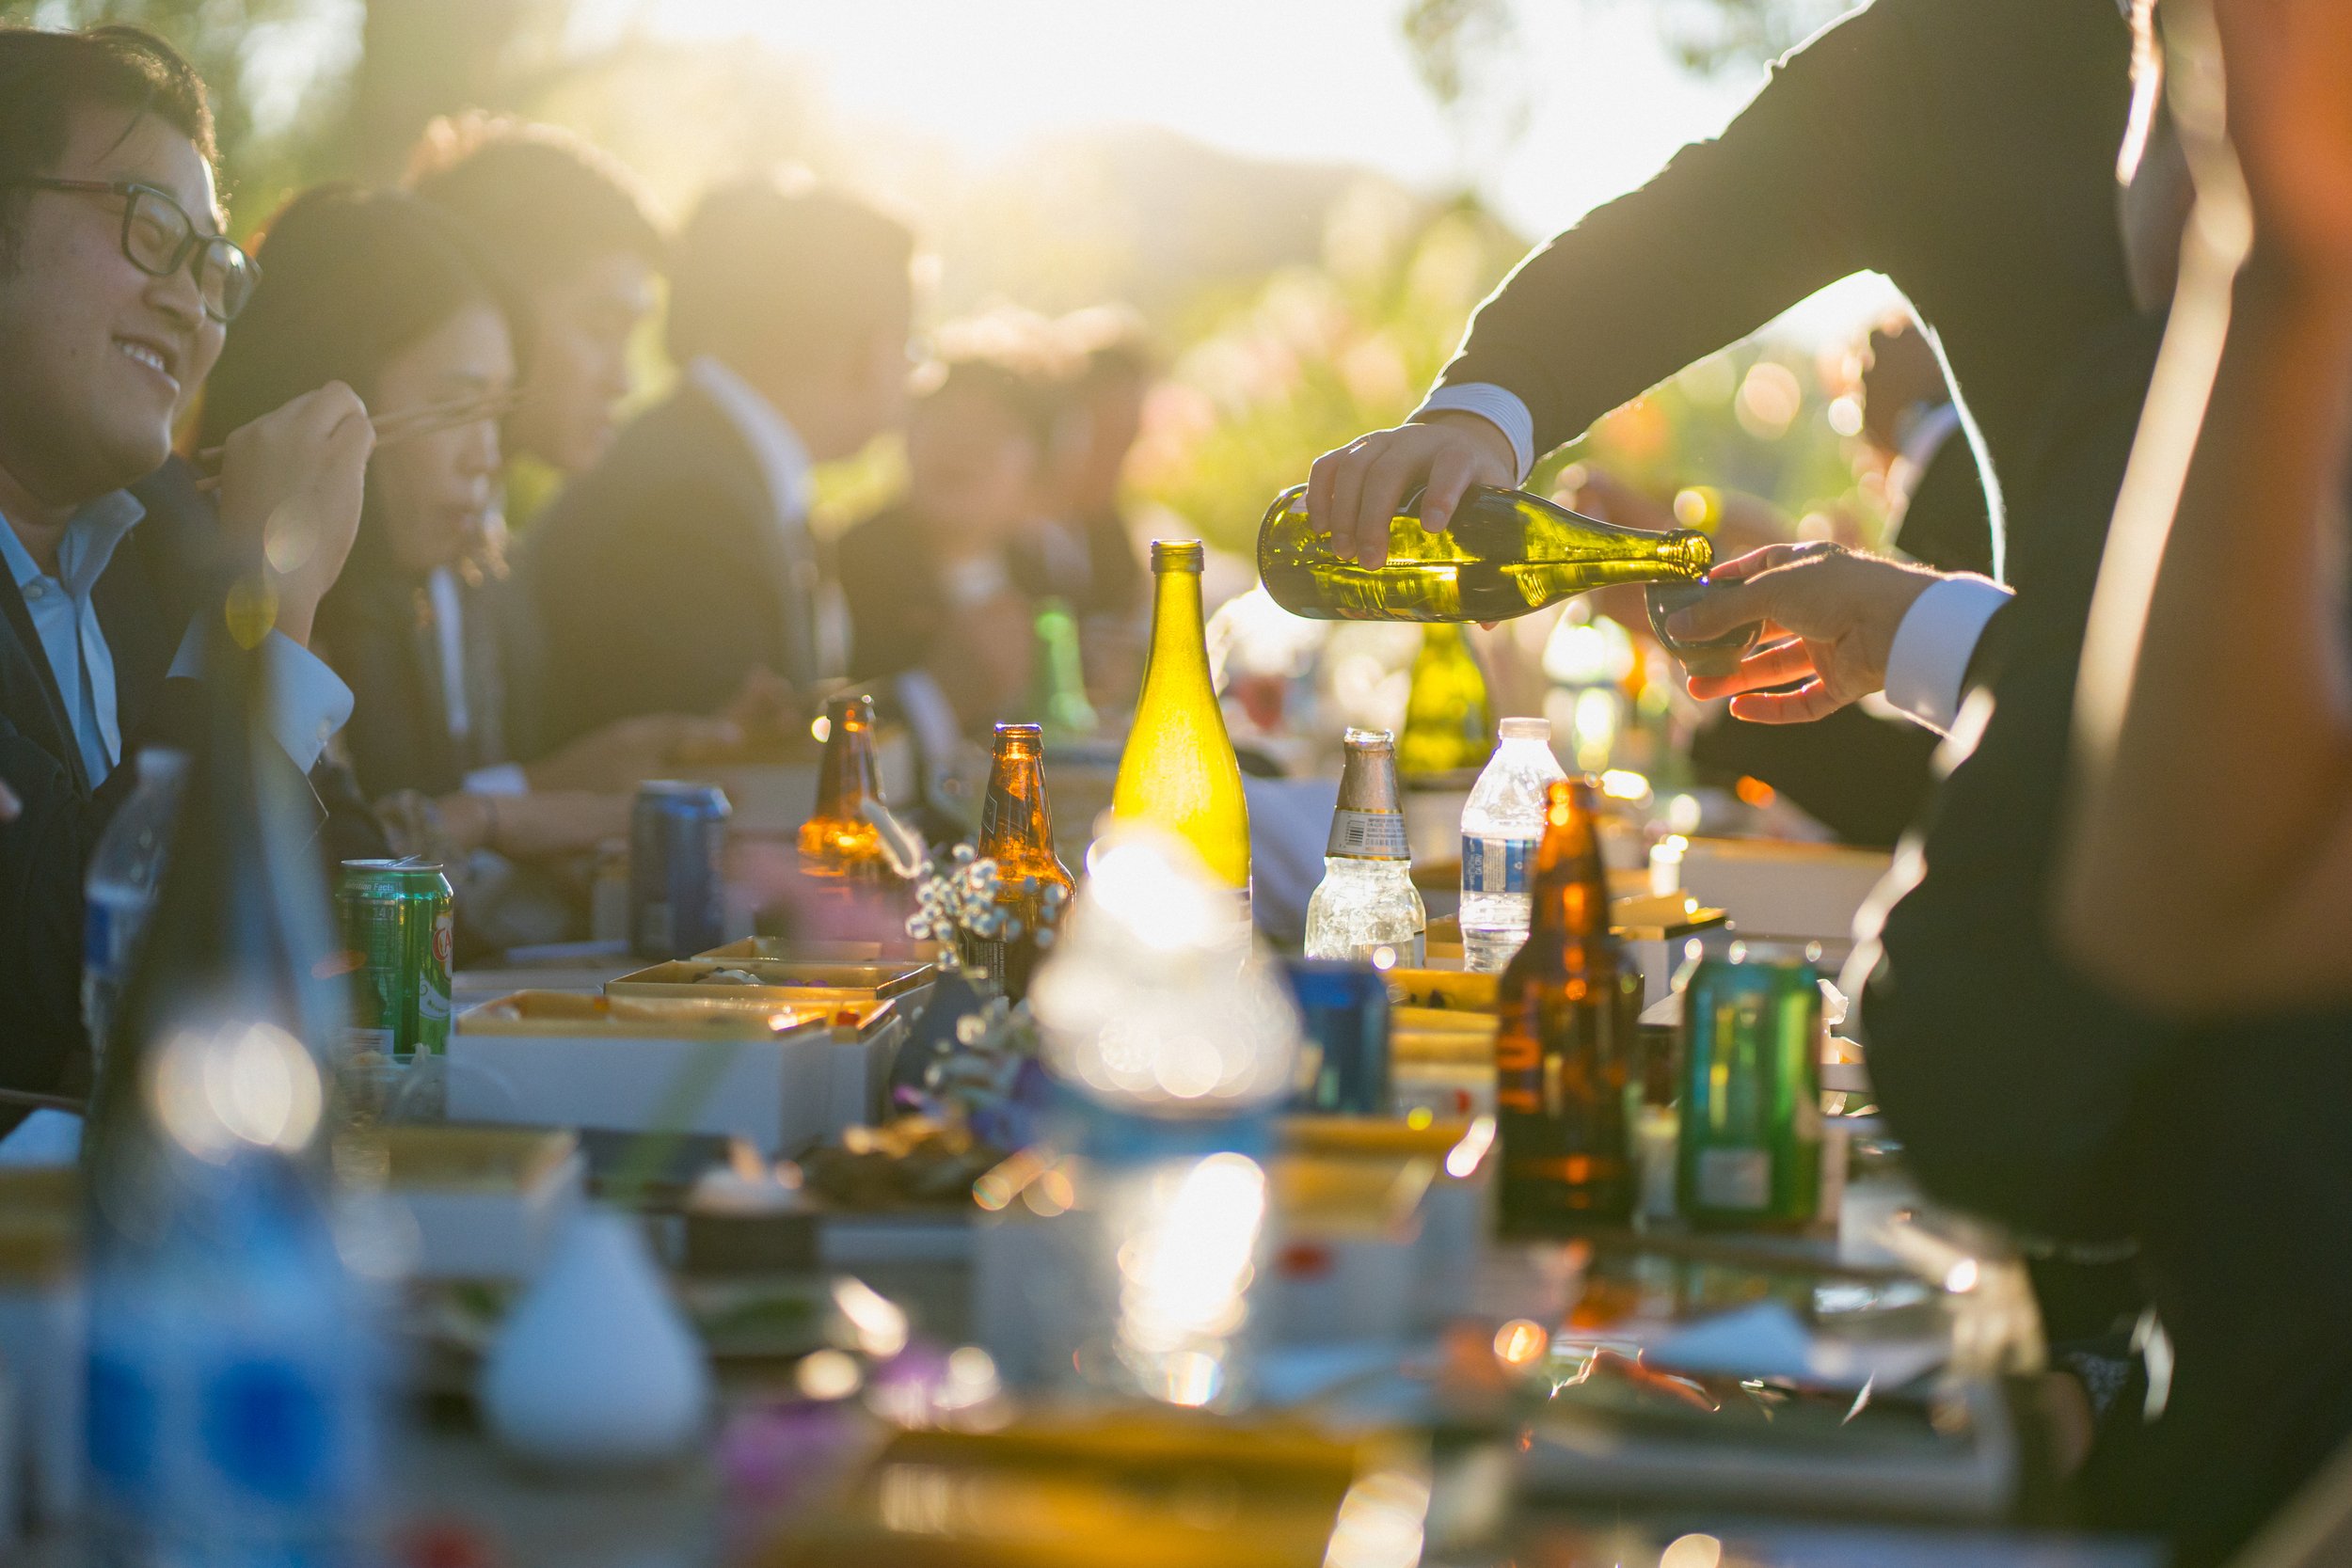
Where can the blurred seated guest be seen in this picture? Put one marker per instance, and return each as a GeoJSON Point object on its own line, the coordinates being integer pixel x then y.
{"type": "Point", "coordinates": [681, 566]}
{"type": "Point", "coordinates": [117, 290]}
{"type": "Point", "coordinates": [1114, 366]}
{"type": "Point", "coordinates": [386, 293]}
{"type": "Point", "coordinates": [568, 223]}
{"type": "Point", "coordinates": [1941, 517]}
{"type": "Point", "coordinates": [928, 579]}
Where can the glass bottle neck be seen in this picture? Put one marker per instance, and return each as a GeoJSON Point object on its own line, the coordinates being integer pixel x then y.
{"type": "Point", "coordinates": [848, 780]}
{"type": "Point", "coordinates": [1179, 648]}
{"type": "Point", "coordinates": [1015, 821]}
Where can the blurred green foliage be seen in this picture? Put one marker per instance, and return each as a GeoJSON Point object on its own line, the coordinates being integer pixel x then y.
{"type": "Point", "coordinates": [1320, 354]}
{"type": "Point", "coordinates": [1301, 305]}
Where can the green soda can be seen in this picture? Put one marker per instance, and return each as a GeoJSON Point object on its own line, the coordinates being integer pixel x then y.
{"type": "Point", "coordinates": [398, 933]}
{"type": "Point", "coordinates": [433, 952]}
{"type": "Point", "coordinates": [374, 915]}
{"type": "Point", "coordinates": [1750, 1152]}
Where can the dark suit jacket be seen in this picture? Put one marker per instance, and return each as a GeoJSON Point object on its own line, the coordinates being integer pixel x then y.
{"type": "Point", "coordinates": [1946, 522]}
{"type": "Point", "coordinates": [144, 600]}
{"type": "Point", "coordinates": [657, 580]}
{"type": "Point", "coordinates": [2022, 1091]}
{"type": "Point", "coordinates": [1965, 147]}
{"type": "Point", "coordinates": [380, 633]}
{"type": "Point", "coordinates": [890, 576]}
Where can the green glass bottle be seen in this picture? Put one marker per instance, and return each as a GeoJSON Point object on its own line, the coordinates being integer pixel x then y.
{"type": "Point", "coordinates": [1057, 687]}
{"type": "Point", "coordinates": [1505, 553]}
{"type": "Point", "coordinates": [1178, 771]}
{"type": "Point", "coordinates": [1448, 723]}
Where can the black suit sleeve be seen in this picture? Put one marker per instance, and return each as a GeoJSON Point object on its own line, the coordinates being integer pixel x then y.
{"type": "Point", "coordinates": [660, 611]}
{"type": "Point", "coordinates": [1731, 233]}
{"type": "Point", "coordinates": [2009, 1076]}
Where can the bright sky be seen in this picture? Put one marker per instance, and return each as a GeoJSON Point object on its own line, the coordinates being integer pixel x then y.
{"type": "Point", "coordinates": [1314, 79]}
{"type": "Point", "coordinates": [1304, 79]}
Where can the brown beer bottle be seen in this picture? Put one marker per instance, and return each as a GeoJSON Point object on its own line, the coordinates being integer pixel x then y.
{"type": "Point", "coordinates": [838, 845]}
{"type": "Point", "coordinates": [1564, 1055]}
{"type": "Point", "coordinates": [1017, 832]}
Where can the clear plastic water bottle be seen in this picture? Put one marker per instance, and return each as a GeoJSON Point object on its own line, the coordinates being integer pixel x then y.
{"type": "Point", "coordinates": [1500, 829]}
{"type": "Point", "coordinates": [121, 892]}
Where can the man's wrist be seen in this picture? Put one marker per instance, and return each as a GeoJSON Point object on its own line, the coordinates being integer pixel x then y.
{"type": "Point", "coordinates": [1499, 409]}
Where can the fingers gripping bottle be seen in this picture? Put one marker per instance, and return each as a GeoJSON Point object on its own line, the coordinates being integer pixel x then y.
{"type": "Point", "coordinates": [1501, 826]}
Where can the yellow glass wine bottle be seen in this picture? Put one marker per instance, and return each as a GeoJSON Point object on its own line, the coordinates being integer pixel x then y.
{"type": "Point", "coordinates": [1449, 724]}
{"type": "Point", "coordinates": [1179, 773]}
{"type": "Point", "coordinates": [1505, 553]}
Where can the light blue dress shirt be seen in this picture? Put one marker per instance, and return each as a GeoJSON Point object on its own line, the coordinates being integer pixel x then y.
{"type": "Point", "coordinates": [68, 625]}
{"type": "Point", "coordinates": [309, 702]}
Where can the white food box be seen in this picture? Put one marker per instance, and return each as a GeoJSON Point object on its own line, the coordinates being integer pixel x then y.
{"type": "Point", "coordinates": [780, 1077]}
{"type": "Point", "coordinates": [1776, 888]}
{"type": "Point", "coordinates": [484, 1201]}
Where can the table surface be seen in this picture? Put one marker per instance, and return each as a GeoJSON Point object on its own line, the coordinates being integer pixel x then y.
{"type": "Point", "coordinates": [451, 1477]}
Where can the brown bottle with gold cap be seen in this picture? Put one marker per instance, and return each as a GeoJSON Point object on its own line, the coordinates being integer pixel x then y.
{"type": "Point", "coordinates": [1017, 832]}
{"type": "Point", "coordinates": [1564, 1057]}
{"type": "Point", "coordinates": [839, 847]}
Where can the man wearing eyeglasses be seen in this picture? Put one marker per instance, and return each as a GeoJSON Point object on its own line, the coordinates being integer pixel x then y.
{"type": "Point", "coordinates": [115, 288]}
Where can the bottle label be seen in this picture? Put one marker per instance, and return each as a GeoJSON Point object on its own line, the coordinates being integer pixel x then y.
{"type": "Point", "coordinates": [1738, 1180]}
{"type": "Point", "coordinates": [1496, 865]}
{"type": "Point", "coordinates": [1368, 834]}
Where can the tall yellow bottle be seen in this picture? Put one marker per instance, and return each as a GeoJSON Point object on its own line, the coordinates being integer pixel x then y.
{"type": "Point", "coordinates": [1178, 771]}
{"type": "Point", "coordinates": [1449, 725]}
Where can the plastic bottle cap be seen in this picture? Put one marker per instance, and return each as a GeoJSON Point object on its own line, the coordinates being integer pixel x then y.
{"type": "Point", "coordinates": [1527, 729]}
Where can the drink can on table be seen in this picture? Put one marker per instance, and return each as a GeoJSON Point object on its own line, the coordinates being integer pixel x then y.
{"type": "Point", "coordinates": [1344, 1009]}
{"type": "Point", "coordinates": [1751, 1122]}
{"type": "Point", "coordinates": [678, 899]}
{"type": "Point", "coordinates": [399, 925]}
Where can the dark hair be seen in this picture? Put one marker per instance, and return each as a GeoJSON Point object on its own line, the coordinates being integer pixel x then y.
{"type": "Point", "coordinates": [350, 278]}
{"type": "Point", "coordinates": [543, 202]}
{"type": "Point", "coordinates": [45, 76]}
{"type": "Point", "coordinates": [786, 272]}
{"type": "Point", "coordinates": [1017, 360]}
{"type": "Point", "coordinates": [1112, 342]}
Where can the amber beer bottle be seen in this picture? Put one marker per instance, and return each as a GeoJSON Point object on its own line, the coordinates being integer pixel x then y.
{"type": "Point", "coordinates": [1179, 773]}
{"type": "Point", "coordinates": [1017, 832]}
{"type": "Point", "coordinates": [1505, 552]}
{"type": "Point", "coordinates": [1564, 1055]}
{"type": "Point", "coordinates": [839, 847]}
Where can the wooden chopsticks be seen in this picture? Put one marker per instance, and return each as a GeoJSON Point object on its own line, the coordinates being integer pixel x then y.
{"type": "Point", "coordinates": [427, 419]}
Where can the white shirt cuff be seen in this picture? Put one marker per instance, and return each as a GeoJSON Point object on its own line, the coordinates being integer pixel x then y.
{"type": "Point", "coordinates": [1929, 663]}
{"type": "Point", "coordinates": [1499, 406]}
{"type": "Point", "coordinates": [307, 701]}
{"type": "Point", "coordinates": [507, 778]}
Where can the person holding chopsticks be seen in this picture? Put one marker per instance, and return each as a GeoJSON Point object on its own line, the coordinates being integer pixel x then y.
{"type": "Point", "coordinates": [388, 293]}
{"type": "Point", "coordinates": [117, 296]}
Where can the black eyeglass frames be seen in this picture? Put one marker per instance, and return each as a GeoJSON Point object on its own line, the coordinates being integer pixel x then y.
{"type": "Point", "coordinates": [159, 238]}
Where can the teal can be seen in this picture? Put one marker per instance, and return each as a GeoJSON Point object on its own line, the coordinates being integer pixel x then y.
{"type": "Point", "coordinates": [1749, 1154]}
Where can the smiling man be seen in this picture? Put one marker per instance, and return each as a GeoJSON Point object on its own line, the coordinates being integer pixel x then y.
{"type": "Point", "coordinates": [115, 290]}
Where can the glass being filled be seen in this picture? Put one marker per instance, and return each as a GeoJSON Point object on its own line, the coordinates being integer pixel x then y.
{"type": "Point", "coordinates": [1505, 553]}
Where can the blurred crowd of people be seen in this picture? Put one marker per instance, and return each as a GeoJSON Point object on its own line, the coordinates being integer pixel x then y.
{"type": "Point", "coordinates": [2102, 991]}
{"type": "Point", "coordinates": [516, 606]}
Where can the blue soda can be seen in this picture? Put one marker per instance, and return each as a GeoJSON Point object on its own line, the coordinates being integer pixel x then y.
{"type": "Point", "coordinates": [1344, 1009]}
{"type": "Point", "coordinates": [676, 897]}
